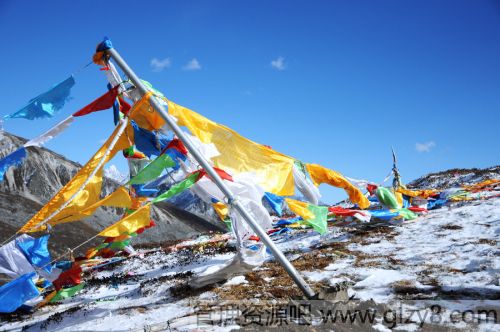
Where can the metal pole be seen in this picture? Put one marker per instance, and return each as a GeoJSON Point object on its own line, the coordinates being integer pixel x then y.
{"type": "Point", "coordinates": [289, 268]}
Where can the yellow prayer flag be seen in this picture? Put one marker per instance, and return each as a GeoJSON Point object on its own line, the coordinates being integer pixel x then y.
{"type": "Point", "coordinates": [399, 198]}
{"type": "Point", "coordinates": [300, 208]}
{"type": "Point", "coordinates": [88, 195]}
{"type": "Point", "coordinates": [129, 224]}
{"type": "Point", "coordinates": [320, 174]}
{"type": "Point", "coordinates": [416, 193]}
{"type": "Point", "coordinates": [145, 115]}
{"type": "Point", "coordinates": [221, 209]}
{"type": "Point", "coordinates": [272, 170]}
{"type": "Point", "coordinates": [119, 198]}
{"type": "Point", "coordinates": [482, 184]}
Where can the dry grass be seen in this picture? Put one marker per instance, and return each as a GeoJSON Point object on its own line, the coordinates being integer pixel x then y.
{"type": "Point", "coordinates": [491, 242]}
{"type": "Point", "coordinates": [451, 227]}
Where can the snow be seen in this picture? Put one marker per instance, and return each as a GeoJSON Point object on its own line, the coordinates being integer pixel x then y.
{"type": "Point", "coordinates": [114, 173]}
{"type": "Point", "coordinates": [451, 255]}
{"type": "Point", "coordinates": [238, 280]}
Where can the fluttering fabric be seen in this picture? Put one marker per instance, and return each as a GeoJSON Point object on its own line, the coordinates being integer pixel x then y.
{"type": "Point", "coordinates": [69, 278]}
{"type": "Point", "coordinates": [417, 193]}
{"type": "Point", "coordinates": [387, 198]}
{"type": "Point", "coordinates": [384, 214]}
{"type": "Point", "coordinates": [363, 216]}
{"type": "Point", "coordinates": [221, 210]}
{"type": "Point", "coordinates": [407, 214]}
{"type": "Point", "coordinates": [12, 260]}
{"type": "Point", "coordinates": [313, 215]}
{"type": "Point", "coordinates": [320, 174]}
{"type": "Point", "coordinates": [36, 251]}
{"type": "Point", "coordinates": [13, 159]}
{"type": "Point", "coordinates": [275, 202]}
{"type": "Point", "coordinates": [271, 169]}
{"type": "Point", "coordinates": [142, 191]}
{"type": "Point", "coordinates": [102, 103]}
{"type": "Point", "coordinates": [177, 145]}
{"type": "Point", "coordinates": [249, 195]}
{"type": "Point", "coordinates": [138, 219]}
{"type": "Point", "coordinates": [304, 185]}
{"type": "Point", "coordinates": [319, 222]}
{"type": "Point", "coordinates": [482, 184]}
{"type": "Point", "coordinates": [17, 157]}
{"type": "Point", "coordinates": [132, 153]}
{"type": "Point", "coordinates": [149, 143]}
{"type": "Point", "coordinates": [188, 182]}
{"type": "Point", "coordinates": [64, 293]}
{"type": "Point", "coordinates": [16, 292]}
{"type": "Point", "coordinates": [153, 170]}
{"type": "Point", "coordinates": [118, 198]}
{"type": "Point", "coordinates": [51, 133]}
{"type": "Point", "coordinates": [145, 115]}
{"type": "Point", "coordinates": [436, 203]}
{"type": "Point", "coordinates": [47, 104]}
{"type": "Point", "coordinates": [85, 196]}
{"type": "Point", "coordinates": [241, 227]}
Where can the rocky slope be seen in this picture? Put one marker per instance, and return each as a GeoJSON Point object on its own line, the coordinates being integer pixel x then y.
{"type": "Point", "coordinates": [455, 177]}
{"type": "Point", "coordinates": [25, 189]}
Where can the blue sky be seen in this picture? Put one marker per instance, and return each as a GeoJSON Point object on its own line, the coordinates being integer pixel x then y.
{"type": "Point", "coordinates": [330, 82]}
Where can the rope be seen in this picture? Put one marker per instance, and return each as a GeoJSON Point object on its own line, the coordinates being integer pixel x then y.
{"type": "Point", "coordinates": [10, 238]}
{"type": "Point", "coordinates": [81, 69]}
{"type": "Point", "coordinates": [70, 250]}
{"type": "Point", "coordinates": [387, 177]}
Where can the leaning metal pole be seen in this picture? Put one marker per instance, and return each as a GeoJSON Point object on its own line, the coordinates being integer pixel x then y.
{"type": "Point", "coordinates": [289, 268]}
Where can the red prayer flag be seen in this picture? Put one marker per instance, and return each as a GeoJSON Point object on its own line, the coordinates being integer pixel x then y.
{"type": "Point", "coordinates": [124, 106]}
{"type": "Point", "coordinates": [417, 209]}
{"type": "Point", "coordinates": [69, 277]}
{"type": "Point", "coordinates": [340, 211]}
{"type": "Point", "coordinates": [222, 174]}
{"type": "Point", "coordinates": [177, 144]}
{"type": "Point", "coordinates": [102, 103]}
{"type": "Point", "coordinates": [371, 188]}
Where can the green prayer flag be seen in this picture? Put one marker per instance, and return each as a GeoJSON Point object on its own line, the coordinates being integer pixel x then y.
{"type": "Point", "coordinates": [101, 246]}
{"type": "Point", "coordinates": [387, 198]}
{"type": "Point", "coordinates": [119, 244]}
{"type": "Point", "coordinates": [178, 188]}
{"type": "Point", "coordinates": [407, 214]}
{"type": "Point", "coordinates": [318, 223]}
{"type": "Point", "coordinates": [153, 170]}
{"type": "Point", "coordinates": [64, 293]}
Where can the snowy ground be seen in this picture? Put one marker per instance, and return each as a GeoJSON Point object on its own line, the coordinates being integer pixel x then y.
{"type": "Point", "coordinates": [448, 258]}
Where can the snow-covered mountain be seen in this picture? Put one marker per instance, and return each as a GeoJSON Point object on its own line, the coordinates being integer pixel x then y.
{"type": "Point", "coordinates": [112, 172]}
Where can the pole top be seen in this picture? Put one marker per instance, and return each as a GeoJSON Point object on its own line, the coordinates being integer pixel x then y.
{"type": "Point", "coordinates": [100, 52]}
{"type": "Point", "coordinates": [106, 44]}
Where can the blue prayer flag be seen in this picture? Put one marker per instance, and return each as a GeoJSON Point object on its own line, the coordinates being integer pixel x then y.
{"type": "Point", "coordinates": [149, 143]}
{"type": "Point", "coordinates": [36, 251]}
{"type": "Point", "coordinates": [14, 159]}
{"type": "Point", "coordinates": [384, 214]}
{"type": "Point", "coordinates": [175, 154]}
{"type": "Point", "coordinates": [15, 293]}
{"type": "Point", "coordinates": [141, 191]}
{"type": "Point", "coordinates": [436, 203]}
{"type": "Point", "coordinates": [275, 201]}
{"type": "Point", "coordinates": [46, 104]}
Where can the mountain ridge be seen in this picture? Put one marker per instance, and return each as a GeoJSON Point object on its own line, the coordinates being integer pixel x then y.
{"type": "Point", "coordinates": [26, 188]}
